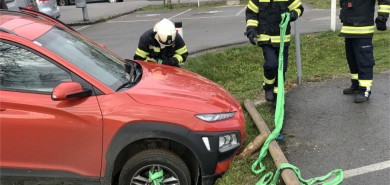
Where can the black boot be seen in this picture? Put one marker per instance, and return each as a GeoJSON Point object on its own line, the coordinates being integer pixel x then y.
{"type": "Point", "coordinates": [269, 96]}
{"type": "Point", "coordinates": [361, 98]}
{"type": "Point", "coordinates": [350, 90]}
{"type": "Point", "coordinates": [353, 89]}
{"type": "Point", "coordinates": [363, 95]}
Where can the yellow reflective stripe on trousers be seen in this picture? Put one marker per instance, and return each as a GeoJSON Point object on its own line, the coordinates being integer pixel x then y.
{"type": "Point", "coordinates": [141, 53]}
{"type": "Point", "coordinates": [358, 30]}
{"type": "Point", "coordinates": [276, 90]}
{"type": "Point", "coordinates": [295, 5]}
{"type": "Point", "coordinates": [181, 50]}
{"type": "Point", "coordinates": [253, 7]}
{"type": "Point", "coordinates": [178, 57]}
{"type": "Point", "coordinates": [274, 39]}
{"type": "Point", "coordinates": [252, 22]}
{"type": "Point", "coordinates": [354, 76]}
{"type": "Point", "coordinates": [365, 83]}
{"type": "Point", "coordinates": [268, 81]}
{"type": "Point", "coordinates": [384, 9]}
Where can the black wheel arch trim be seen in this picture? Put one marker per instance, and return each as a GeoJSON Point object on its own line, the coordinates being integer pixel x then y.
{"type": "Point", "coordinates": [133, 132]}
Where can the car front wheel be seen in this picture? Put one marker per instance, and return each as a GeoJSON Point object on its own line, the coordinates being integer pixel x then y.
{"type": "Point", "coordinates": [155, 166]}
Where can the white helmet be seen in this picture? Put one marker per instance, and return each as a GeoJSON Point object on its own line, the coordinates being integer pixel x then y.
{"type": "Point", "coordinates": [165, 32]}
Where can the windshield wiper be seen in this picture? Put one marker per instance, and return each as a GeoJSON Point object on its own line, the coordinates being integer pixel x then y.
{"type": "Point", "coordinates": [129, 70]}
{"type": "Point", "coordinates": [126, 84]}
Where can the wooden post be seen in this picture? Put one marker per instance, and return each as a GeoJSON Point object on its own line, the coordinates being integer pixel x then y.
{"type": "Point", "coordinates": [277, 155]}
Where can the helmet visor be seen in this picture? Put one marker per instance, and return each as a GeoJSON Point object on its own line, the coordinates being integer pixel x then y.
{"type": "Point", "coordinates": [169, 41]}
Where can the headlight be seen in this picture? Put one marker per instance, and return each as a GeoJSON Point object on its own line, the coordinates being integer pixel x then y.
{"type": "Point", "coordinates": [215, 116]}
{"type": "Point", "coordinates": [227, 142]}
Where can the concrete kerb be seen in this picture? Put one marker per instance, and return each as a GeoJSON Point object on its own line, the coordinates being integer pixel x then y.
{"type": "Point", "coordinates": [276, 152]}
{"type": "Point", "coordinates": [102, 19]}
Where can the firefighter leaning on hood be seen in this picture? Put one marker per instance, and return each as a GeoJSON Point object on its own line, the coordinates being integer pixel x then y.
{"type": "Point", "coordinates": [357, 17]}
{"type": "Point", "coordinates": [262, 28]}
{"type": "Point", "coordinates": [162, 44]}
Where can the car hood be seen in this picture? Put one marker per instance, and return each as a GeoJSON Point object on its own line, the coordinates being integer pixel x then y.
{"type": "Point", "coordinates": [174, 87]}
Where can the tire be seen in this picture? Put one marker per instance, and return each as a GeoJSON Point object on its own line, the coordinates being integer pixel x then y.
{"type": "Point", "coordinates": [136, 169]}
{"type": "Point", "coordinates": [63, 2]}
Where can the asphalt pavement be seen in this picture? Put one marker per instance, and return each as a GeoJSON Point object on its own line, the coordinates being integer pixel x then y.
{"type": "Point", "coordinates": [324, 129]}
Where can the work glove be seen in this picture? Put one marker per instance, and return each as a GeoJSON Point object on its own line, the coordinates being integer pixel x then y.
{"type": "Point", "coordinates": [251, 33]}
{"type": "Point", "coordinates": [380, 22]}
{"type": "Point", "coordinates": [293, 16]}
{"type": "Point", "coordinates": [169, 61]}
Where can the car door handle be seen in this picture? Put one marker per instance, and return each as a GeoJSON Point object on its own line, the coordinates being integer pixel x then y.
{"type": "Point", "coordinates": [2, 108]}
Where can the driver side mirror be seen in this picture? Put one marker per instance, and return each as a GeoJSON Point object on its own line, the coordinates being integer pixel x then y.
{"type": "Point", "coordinates": [69, 90]}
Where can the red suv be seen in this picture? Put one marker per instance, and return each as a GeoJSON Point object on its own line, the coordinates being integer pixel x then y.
{"type": "Point", "coordinates": [73, 111]}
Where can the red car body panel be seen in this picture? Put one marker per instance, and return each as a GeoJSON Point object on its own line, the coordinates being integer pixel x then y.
{"type": "Point", "coordinates": [75, 135]}
{"type": "Point", "coordinates": [192, 91]}
{"type": "Point", "coordinates": [23, 26]}
{"type": "Point", "coordinates": [118, 111]}
{"type": "Point", "coordinates": [64, 128]}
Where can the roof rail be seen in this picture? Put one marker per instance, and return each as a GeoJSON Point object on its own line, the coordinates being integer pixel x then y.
{"type": "Point", "coordinates": [7, 31]}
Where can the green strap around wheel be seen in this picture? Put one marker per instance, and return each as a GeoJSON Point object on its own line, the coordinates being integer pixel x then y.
{"type": "Point", "coordinates": [156, 178]}
{"type": "Point", "coordinates": [258, 167]}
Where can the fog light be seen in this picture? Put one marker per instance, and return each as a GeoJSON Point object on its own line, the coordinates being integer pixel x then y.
{"type": "Point", "coordinates": [228, 142]}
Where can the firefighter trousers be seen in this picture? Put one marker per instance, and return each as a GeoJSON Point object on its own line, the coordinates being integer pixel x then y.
{"type": "Point", "coordinates": [360, 58]}
{"type": "Point", "coordinates": [271, 55]}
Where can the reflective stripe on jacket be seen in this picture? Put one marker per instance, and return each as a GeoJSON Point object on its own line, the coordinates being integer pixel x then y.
{"type": "Point", "coordinates": [264, 16]}
{"type": "Point", "coordinates": [357, 17]}
{"type": "Point", "coordinates": [149, 49]}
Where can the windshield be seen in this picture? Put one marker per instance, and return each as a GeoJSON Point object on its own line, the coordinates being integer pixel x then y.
{"type": "Point", "coordinates": [90, 58]}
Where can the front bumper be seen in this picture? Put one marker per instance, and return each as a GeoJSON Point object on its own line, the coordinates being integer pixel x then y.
{"type": "Point", "coordinates": [210, 179]}
{"type": "Point", "coordinates": [213, 163]}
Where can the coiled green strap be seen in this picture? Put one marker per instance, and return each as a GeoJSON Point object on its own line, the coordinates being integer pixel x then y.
{"type": "Point", "coordinates": [258, 167]}
{"type": "Point", "coordinates": [156, 178]}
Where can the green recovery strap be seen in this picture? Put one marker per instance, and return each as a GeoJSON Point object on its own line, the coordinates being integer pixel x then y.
{"type": "Point", "coordinates": [156, 178]}
{"type": "Point", "coordinates": [258, 167]}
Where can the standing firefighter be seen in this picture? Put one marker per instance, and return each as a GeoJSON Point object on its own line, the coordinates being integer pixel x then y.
{"type": "Point", "coordinates": [357, 17]}
{"type": "Point", "coordinates": [162, 44]}
{"type": "Point", "coordinates": [262, 28]}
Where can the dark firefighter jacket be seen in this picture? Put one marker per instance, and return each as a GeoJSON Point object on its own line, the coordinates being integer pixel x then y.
{"type": "Point", "coordinates": [265, 16]}
{"type": "Point", "coordinates": [357, 17]}
{"type": "Point", "coordinates": [149, 49]}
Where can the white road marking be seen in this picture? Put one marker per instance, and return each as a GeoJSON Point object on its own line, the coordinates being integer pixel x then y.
{"type": "Point", "coordinates": [240, 12]}
{"type": "Point", "coordinates": [209, 12]}
{"type": "Point", "coordinates": [152, 20]}
{"type": "Point", "coordinates": [180, 14]}
{"type": "Point", "coordinates": [366, 169]}
{"type": "Point", "coordinates": [78, 29]}
{"type": "Point", "coordinates": [148, 15]}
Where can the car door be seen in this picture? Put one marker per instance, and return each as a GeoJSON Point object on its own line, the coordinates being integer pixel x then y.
{"type": "Point", "coordinates": [41, 137]}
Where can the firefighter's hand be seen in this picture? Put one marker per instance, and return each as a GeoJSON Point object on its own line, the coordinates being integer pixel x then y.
{"type": "Point", "coordinates": [293, 16]}
{"type": "Point", "coordinates": [380, 23]}
{"type": "Point", "coordinates": [169, 61]}
{"type": "Point", "coordinates": [252, 36]}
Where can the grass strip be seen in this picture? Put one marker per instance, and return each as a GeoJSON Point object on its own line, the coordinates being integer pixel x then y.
{"type": "Point", "coordinates": [239, 70]}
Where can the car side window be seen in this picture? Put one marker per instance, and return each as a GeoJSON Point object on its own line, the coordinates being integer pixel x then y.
{"type": "Point", "coordinates": [22, 70]}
